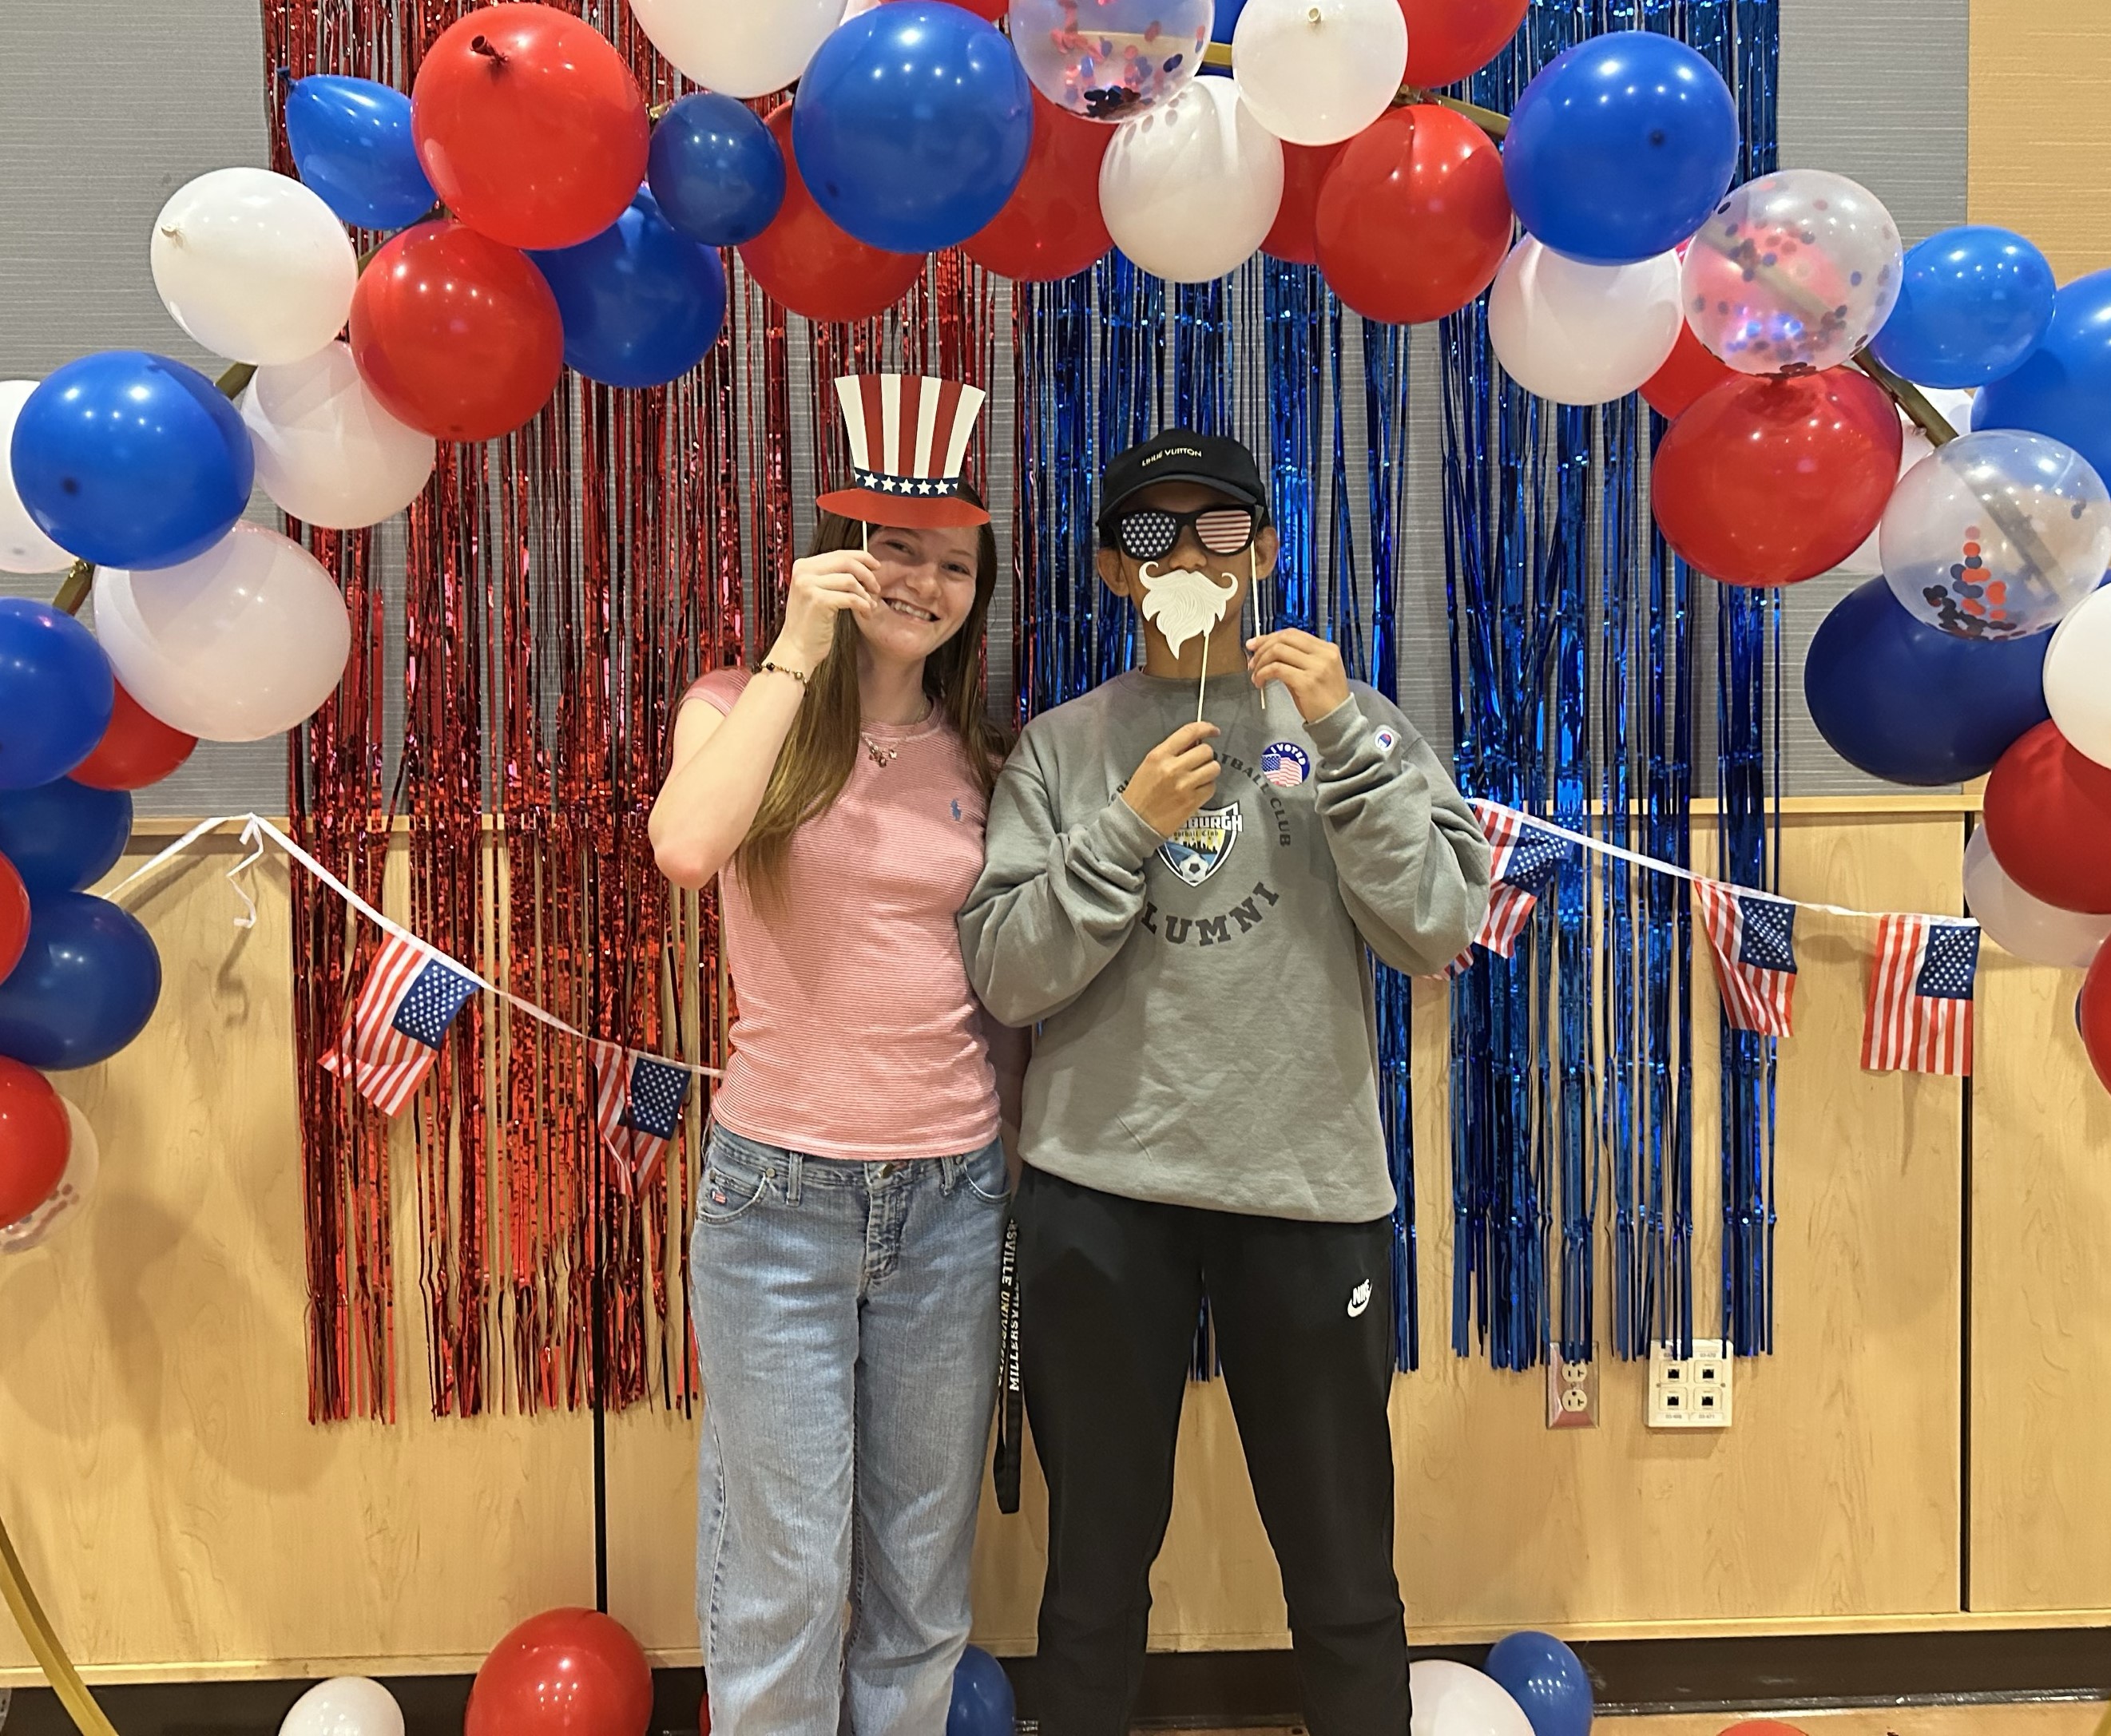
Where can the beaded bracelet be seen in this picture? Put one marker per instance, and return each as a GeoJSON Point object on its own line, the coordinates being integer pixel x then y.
{"type": "Point", "coordinates": [767, 667]}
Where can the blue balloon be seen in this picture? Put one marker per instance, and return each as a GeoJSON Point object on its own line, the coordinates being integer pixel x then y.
{"type": "Point", "coordinates": [1971, 303]}
{"type": "Point", "coordinates": [1227, 21]}
{"type": "Point", "coordinates": [132, 460]}
{"type": "Point", "coordinates": [63, 835]}
{"type": "Point", "coordinates": [716, 170]}
{"type": "Point", "coordinates": [86, 986]}
{"type": "Point", "coordinates": [982, 1697]}
{"type": "Point", "coordinates": [57, 693]}
{"type": "Point", "coordinates": [1910, 704]}
{"type": "Point", "coordinates": [351, 140]}
{"type": "Point", "coordinates": [640, 303]}
{"type": "Point", "coordinates": [912, 125]}
{"type": "Point", "coordinates": [2062, 387]}
{"type": "Point", "coordinates": [1621, 147]}
{"type": "Point", "coordinates": [1547, 1680]}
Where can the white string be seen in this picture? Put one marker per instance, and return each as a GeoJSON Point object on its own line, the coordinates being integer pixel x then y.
{"type": "Point", "coordinates": [1676, 872]}
{"type": "Point", "coordinates": [256, 828]}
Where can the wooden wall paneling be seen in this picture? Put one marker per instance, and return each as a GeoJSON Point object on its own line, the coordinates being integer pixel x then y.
{"type": "Point", "coordinates": [2040, 98]}
{"type": "Point", "coordinates": [1844, 1458]}
{"type": "Point", "coordinates": [171, 1502]}
{"type": "Point", "coordinates": [2041, 1300]}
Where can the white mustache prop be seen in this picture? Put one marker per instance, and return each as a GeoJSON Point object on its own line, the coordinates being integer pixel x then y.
{"type": "Point", "coordinates": [1183, 604]}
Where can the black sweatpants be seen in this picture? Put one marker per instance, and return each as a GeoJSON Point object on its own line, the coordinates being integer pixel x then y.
{"type": "Point", "coordinates": [1110, 1290]}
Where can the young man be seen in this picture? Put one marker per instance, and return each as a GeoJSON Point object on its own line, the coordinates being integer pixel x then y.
{"type": "Point", "coordinates": [1184, 908]}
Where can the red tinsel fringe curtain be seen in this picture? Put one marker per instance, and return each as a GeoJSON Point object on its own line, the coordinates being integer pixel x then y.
{"type": "Point", "coordinates": [560, 589]}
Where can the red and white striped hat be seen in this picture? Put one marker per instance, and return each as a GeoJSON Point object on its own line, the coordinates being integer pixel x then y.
{"type": "Point", "coordinates": [909, 438]}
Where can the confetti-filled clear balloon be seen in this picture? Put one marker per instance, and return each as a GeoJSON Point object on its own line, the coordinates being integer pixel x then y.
{"type": "Point", "coordinates": [1110, 59]}
{"type": "Point", "coordinates": [1795, 271]}
{"type": "Point", "coordinates": [1997, 535]}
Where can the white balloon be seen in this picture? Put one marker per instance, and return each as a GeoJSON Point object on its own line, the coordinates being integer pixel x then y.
{"type": "Point", "coordinates": [2078, 677]}
{"type": "Point", "coordinates": [345, 1706]}
{"type": "Point", "coordinates": [1315, 72]}
{"type": "Point", "coordinates": [242, 642]}
{"type": "Point", "coordinates": [254, 265]}
{"type": "Point", "coordinates": [327, 451]}
{"type": "Point", "coordinates": [1190, 191]}
{"type": "Point", "coordinates": [1956, 409]}
{"type": "Point", "coordinates": [23, 547]}
{"type": "Point", "coordinates": [1582, 334]}
{"type": "Point", "coordinates": [2028, 927]}
{"type": "Point", "coordinates": [76, 1182]}
{"type": "Point", "coordinates": [1455, 1700]}
{"type": "Point", "coordinates": [739, 47]}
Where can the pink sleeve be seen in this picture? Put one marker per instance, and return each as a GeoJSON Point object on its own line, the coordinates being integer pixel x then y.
{"type": "Point", "coordinates": [720, 688]}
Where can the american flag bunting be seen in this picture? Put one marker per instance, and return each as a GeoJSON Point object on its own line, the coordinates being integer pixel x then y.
{"type": "Point", "coordinates": [1754, 941]}
{"type": "Point", "coordinates": [1526, 859]}
{"type": "Point", "coordinates": [637, 1107]}
{"type": "Point", "coordinates": [1919, 1014]}
{"type": "Point", "coordinates": [394, 1030]}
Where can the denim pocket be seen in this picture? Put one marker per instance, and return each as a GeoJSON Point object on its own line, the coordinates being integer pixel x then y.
{"type": "Point", "coordinates": [988, 1174]}
{"type": "Point", "coordinates": [731, 1186]}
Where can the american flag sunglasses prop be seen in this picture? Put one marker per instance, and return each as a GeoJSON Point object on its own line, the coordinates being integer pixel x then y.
{"type": "Point", "coordinates": [1919, 1019]}
{"type": "Point", "coordinates": [394, 1030]}
{"type": "Point", "coordinates": [1754, 942]}
{"type": "Point", "coordinates": [638, 1108]}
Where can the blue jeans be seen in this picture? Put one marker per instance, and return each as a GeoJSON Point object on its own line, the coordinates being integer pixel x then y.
{"type": "Point", "coordinates": [846, 1327]}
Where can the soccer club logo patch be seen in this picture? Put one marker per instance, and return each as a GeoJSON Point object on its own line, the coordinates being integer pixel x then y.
{"type": "Point", "coordinates": [1200, 847]}
{"type": "Point", "coordinates": [1285, 764]}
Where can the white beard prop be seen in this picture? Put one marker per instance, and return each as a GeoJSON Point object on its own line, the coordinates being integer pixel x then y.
{"type": "Point", "coordinates": [1183, 605]}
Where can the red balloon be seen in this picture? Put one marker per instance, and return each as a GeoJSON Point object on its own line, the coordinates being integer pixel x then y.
{"type": "Point", "coordinates": [137, 749]}
{"type": "Point", "coordinates": [993, 10]}
{"type": "Point", "coordinates": [2049, 821]}
{"type": "Point", "coordinates": [458, 336]}
{"type": "Point", "coordinates": [14, 918]}
{"type": "Point", "coordinates": [566, 1672]}
{"type": "Point", "coordinates": [1691, 370]}
{"type": "Point", "coordinates": [1050, 227]}
{"type": "Point", "coordinates": [1413, 220]}
{"type": "Point", "coordinates": [1765, 481]}
{"type": "Point", "coordinates": [1305, 169]}
{"type": "Point", "coordinates": [2094, 1014]}
{"type": "Point", "coordinates": [529, 126]}
{"type": "Point", "coordinates": [34, 1139]}
{"type": "Point", "coordinates": [1446, 39]}
{"type": "Point", "coordinates": [813, 267]}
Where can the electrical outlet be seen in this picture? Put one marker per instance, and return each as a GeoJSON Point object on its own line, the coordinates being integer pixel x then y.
{"type": "Point", "coordinates": [1572, 1394]}
{"type": "Point", "coordinates": [1692, 1393]}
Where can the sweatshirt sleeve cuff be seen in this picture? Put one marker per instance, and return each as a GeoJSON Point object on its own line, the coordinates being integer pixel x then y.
{"type": "Point", "coordinates": [1121, 835]}
{"type": "Point", "coordinates": [1338, 734]}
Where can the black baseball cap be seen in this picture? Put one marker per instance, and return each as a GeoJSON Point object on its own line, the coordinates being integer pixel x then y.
{"type": "Point", "coordinates": [1180, 455]}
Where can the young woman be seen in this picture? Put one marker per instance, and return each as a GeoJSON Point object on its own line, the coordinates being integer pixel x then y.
{"type": "Point", "coordinates": [845, 1259]}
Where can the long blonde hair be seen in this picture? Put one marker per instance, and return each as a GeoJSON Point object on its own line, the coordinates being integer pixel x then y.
{"type": "Point", "coordinates": [815, 761]}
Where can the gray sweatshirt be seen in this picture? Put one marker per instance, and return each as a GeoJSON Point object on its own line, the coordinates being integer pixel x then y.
{"type": "Point", "coordinates": [1208, 1033]}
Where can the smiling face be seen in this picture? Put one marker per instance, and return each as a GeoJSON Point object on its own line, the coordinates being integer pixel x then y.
{"type": "Point", "coordinates": [926, 590]}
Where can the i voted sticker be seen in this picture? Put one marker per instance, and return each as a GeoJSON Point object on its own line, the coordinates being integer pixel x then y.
{"type": "Point", "coordinates": [1285, 764]}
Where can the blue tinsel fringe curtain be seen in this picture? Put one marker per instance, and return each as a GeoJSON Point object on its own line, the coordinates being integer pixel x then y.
{"type": "Point", "coordinates": [1575, 643]}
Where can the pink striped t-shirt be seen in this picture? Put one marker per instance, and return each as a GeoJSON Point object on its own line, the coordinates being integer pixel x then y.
{"type": "Point", "coordinates": [857, 1035]}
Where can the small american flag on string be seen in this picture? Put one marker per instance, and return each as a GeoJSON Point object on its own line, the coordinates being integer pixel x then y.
{"type": "Point", "coordinates": [1919, 1014]}
{"type": "Point", "coordinates": [638, 1108]}
{"type": "Point", "coordinates": [1526, 859]}
{"type": "Point", "coordinates": [1754, 941]}
{"type": "Point", "coordinates": [394, 1028]}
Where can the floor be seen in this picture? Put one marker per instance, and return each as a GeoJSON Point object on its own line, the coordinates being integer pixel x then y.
{"type": "Point", "coordinates": [2056, 1718]}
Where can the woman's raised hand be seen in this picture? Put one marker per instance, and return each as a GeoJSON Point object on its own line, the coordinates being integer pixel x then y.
{"type": "Point", "coordinates": [823, 585]}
